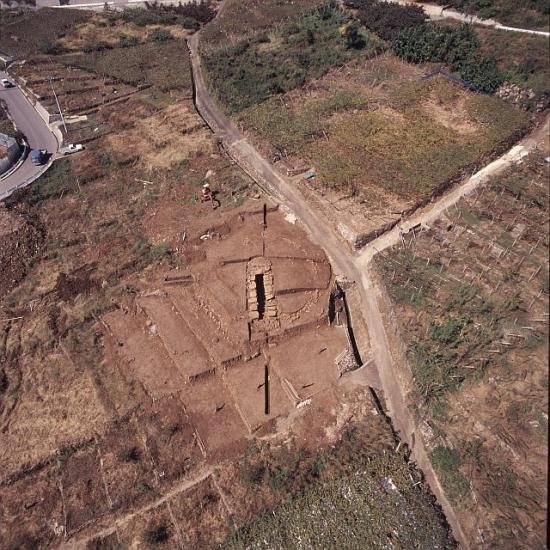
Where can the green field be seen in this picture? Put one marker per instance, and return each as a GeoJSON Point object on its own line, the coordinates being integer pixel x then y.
{"type": "Point", "coordinates": [286, 57]}
{"type": "Point", "coordinates": [406, 140]}
{"type": "Point", "coordinates": [364, 509]}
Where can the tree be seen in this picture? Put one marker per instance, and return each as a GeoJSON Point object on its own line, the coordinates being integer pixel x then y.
{"type": "Point", "coordinates": [353, 38]}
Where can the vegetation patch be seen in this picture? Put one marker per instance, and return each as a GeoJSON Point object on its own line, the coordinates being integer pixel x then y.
{"type": "Point", "coordinates": [329, 510]}
{"type": "Point", "coordinates": [522, 59]}
{"type": "Point", "coordinates": [403, 148]}
{"type": "Point", "coordinates": [162, 63]}
{"type": "Point", "coordinates": [471, 298]}
{"type": "Point", "coordinates": [278, 61]}
{"type": "Point", "coordinates": [6, 125]}
{"type": "Point", "coordinates": [55, 182]}
{"type": "Point", "coordinates": [29, 32]}
{"type": "Point", "coordinates": [242, 18]}
{"type": "Point", "coordinates": [446, 462]}
{"type": "Point", "coordinates": [417, 41]}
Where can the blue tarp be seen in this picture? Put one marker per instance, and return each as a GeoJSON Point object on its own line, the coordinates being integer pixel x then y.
{"type": "Point", "coordinates": [458, 81]}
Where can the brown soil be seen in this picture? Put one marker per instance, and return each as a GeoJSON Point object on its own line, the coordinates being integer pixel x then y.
{"type": "Point", "coordinates": [21, 239]}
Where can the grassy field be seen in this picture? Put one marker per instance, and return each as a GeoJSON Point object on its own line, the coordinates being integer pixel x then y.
{"type": "Point", "coordinates": [283, 58]}
{"type": "Point", "coordinates": [372, 128]}
{"type": "Point", "coordinates": [471, 296]}
{"type": "Point", "coordinates": [522, 58]}
{"type": "Point", "coordinates": [162, 64]}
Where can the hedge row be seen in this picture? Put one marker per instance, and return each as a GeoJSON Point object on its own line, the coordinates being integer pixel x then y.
{"type": "Point", "coordinates": [417, 41]}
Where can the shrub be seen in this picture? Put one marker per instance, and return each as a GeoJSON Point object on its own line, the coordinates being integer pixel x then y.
{"type": "Point", "coordinates": [50, 48]}
{"type": "Point", "coordinates": [95, 46]}
{"type": "Point", "coordinates": [129, 455]}
{"type": "Point", "coordinates": [446, 462]}
{"type": "Point", "coordinates": [436, 43]}
{"type": "Point", "coordinates": [160, 35]}
{"type": "Point", "coordinates": [127, 41]}
{"type": "Point", "coordinates": [143, 17]}
{"type": "Point", "coordinates": [199, 10]}
{"type": "Point", "coordinates": [483, 73]}
{"type": "Point", "coordinates": [456, 47]}
{"type": "Point", "coordinates": [156, 535]}
{"type": "Point", "coordinates": [387, 18]}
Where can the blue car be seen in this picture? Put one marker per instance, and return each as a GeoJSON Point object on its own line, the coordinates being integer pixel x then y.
{"type": "Point", "coordinates": [38, 156]}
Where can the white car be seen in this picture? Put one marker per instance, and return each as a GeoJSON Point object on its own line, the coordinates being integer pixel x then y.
{"type": "Point", "coordinates": [71, 148]}
{"type": "Point", "coordinates": [6, 83]}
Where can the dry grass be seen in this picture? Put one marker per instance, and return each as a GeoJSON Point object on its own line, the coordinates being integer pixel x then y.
{"type": "Point", "coordinates": [105, 29]}
{"type": "Point", "coordinates": [471, 296]}
{"type": "Point", "coordinates": [163, 140]}
{"type": "Point", "coordinates": [376, 126]}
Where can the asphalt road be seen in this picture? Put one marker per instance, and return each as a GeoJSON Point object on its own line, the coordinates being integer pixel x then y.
{"type": "Point", "coordinates": [36, 131]}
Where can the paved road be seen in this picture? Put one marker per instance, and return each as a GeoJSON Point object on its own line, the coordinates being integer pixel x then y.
{"type": "Point", "coordinates": [36, 131]}
{"type": "Point", "coordinates": [356, 267]}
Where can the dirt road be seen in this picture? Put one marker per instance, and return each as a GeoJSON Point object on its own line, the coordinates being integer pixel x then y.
{"type": "Point", "coordinates": [354, 267]}
{"type": "Point", "coordinates": [436, 12]}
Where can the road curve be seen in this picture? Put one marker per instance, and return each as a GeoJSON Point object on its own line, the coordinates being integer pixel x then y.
{"type": "Point", "coordinates": [36, 131]}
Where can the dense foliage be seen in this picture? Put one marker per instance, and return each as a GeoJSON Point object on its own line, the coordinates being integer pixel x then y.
{"type": "Point", "coordinates": [199, 10]}
{"type": "Point", "coordinates": [455, 46]}
{"type": "Point", "coordinates": [386, 18]}
{"type": "Point", "coordinates": [264, 65]}
{"type": "Point", "coordinates": [417, 41]}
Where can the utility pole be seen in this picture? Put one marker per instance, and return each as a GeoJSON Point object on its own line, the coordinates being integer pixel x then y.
{"type": "Point", "coordinates": [58, 106]}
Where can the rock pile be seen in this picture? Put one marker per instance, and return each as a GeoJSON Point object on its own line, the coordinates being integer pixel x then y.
{"type": "Point", "coordinates": [512, 93]}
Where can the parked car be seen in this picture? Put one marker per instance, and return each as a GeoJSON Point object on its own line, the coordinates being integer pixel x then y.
{"type": "Point", "coordinates": [6, 83]}
{"type": "Point", "coordinates": [38, 156]}
{"type": "Point", "coordinates": [72, 148]}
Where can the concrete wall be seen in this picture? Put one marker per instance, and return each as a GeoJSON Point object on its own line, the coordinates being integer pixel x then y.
{"type": "Point", "coordinates": [12, 150]}
{"type": "Point", "coordinates": [45, 114]}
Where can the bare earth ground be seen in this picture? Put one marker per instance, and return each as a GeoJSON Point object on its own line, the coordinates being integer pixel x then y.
{"type": "Point", "coordinates": [100, 311]}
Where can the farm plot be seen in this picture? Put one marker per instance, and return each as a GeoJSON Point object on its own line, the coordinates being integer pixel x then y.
{"type": "Point", "coordinates": [471, 298]}
{"type": "Point", "coordinates": [380, 139]}
{"type": "Point", "coordinates": [78, 91]}
{"type": "Point", "coordinates": [164, 65]}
